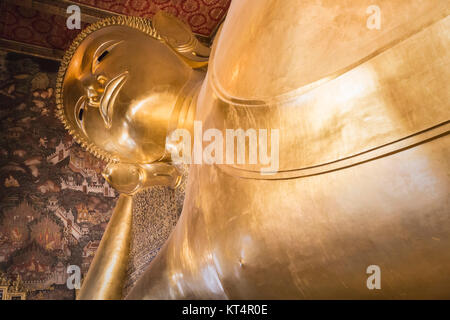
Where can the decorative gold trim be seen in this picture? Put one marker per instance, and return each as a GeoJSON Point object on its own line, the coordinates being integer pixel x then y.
{"type": "Point", "coordinates": [21, 295]}
{"type": "Point", "coordinates": [142, 24]}
{"type": "Point", "coordinates": [405, 143]}
{"type": "Point", "coordinates": [4, 290]}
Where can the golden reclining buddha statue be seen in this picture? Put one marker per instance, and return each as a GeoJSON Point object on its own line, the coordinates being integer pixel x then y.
{"type": "Point", "coordinates": [361, 121]}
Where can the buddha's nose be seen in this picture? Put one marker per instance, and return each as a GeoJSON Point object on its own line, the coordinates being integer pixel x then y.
{"type": "Point", "coordinates": [95, 91]}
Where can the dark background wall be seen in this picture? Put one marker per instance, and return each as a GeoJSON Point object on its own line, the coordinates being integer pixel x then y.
{"type": "Point", "coordinates": [54, 203]}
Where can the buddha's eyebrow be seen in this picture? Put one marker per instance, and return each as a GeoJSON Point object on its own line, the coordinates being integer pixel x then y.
{"type": "Point", "coordinates": [102, 51]}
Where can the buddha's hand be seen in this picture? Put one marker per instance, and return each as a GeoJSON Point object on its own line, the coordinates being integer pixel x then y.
{"type": "Point", "coordinates": [129, 178]}
{"type": "Point", "coordinates": [179, 37]}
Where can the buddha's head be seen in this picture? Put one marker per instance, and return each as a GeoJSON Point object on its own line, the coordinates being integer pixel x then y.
{"type": "Point", "coordinates": [122, 82]}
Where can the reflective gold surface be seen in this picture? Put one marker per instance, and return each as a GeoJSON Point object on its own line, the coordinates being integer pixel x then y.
{"type": "Point", "coordinates": [121, 83]}
{"type": "Point", "coordinates": [121, 107]}
{"type": "Point", "coordinates": [129, 178]}
{"type": "Point", "coordinates": [364, 159]}
{"type": "Point", "coordinates": [364, 150]}
{"type": "Point", "coordinates": [107, 272]}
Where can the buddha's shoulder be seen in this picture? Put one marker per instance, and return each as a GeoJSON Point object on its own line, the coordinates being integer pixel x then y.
{"type": "Point", "coordinates": [266, 49]}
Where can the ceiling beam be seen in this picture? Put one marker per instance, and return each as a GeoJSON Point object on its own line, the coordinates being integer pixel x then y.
{"type": "Point", "coordinates": [30, 49]}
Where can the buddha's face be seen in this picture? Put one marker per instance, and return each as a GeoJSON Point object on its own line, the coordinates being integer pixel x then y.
{"type": "Point", "coordinates": [119, 91]}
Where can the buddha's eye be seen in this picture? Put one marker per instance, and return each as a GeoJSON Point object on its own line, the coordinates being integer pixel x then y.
{"type": "Point", "coordinates": [102, 56]}
{"type": "Point", "coordinates": [80, 114]}
{"type": "Point", "coordinates": [101, 53]}
{"type": "Point", "coordinates": [79, 111]}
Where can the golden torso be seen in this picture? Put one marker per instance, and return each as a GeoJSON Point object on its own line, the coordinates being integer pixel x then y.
{"type": "Point", "coordinates": [363, 172]}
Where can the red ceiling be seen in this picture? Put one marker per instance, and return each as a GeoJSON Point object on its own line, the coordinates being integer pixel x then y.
{"type": "Point", "coordinates": [39, 28]}
{"type": "Point", "coordinates": [33, 27]}
{"type": "Point", "coordinates": [202, 15]}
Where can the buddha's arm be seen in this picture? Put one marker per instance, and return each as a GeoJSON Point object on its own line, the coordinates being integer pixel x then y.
{"type": "Point", "coordinates": [106, 275]}
{"type": "Point", "coordinates": [107, 272]}
{"type": "Point", "coordinates": [270, 48]}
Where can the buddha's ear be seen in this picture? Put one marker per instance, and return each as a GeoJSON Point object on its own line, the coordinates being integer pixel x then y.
{"type": "Point", "coordinates": [180, 38]}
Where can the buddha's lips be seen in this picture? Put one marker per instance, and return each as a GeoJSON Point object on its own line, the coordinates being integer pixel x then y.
{"type": "Point", "coordinates": [109, 96]}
